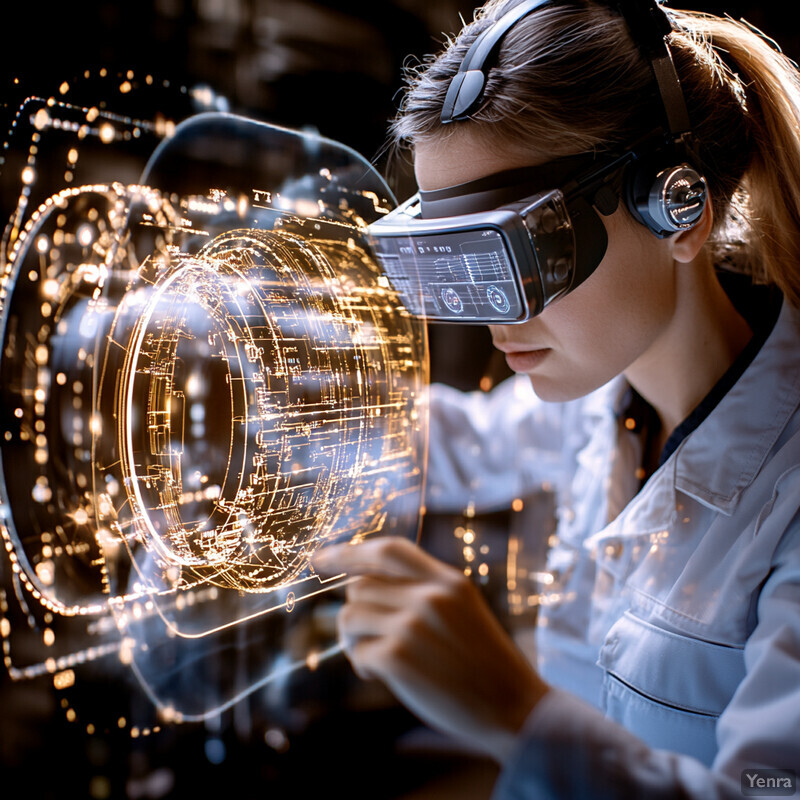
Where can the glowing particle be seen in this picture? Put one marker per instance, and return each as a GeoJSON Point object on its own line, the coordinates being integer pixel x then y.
{"type": "Point", "coordinates": [64, 88]}
{"type": "Point", "coordinates": [41, 119]}
{"type": "Point", "coordinates": [517, 504]}
{"type": "Point", "coordinates": [85, 235]}
{"type": "Point", "coordinates": [41, 492]}
{"type": "Point", "coordinates": [50, 288]}
{"type": "Point", "coordinates": [107, 133]}
{"type": "Point", "coordinates": [28, 175]}
{"type": "Point", "coordinates": [194, 384]}
{"type": "Point", "coordinates": [126, 651]}
{"type": "Point", "coordinates": [203, 95]}
{"type": "Point", "coordinates": [125, 87]}
{"type": "Point", "coordinates": [80, 516]}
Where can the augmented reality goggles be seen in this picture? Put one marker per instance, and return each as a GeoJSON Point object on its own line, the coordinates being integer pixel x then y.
{"type": "Point", "coordinates": [477, 253]}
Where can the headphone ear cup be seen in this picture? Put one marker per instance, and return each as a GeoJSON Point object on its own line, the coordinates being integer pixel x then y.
{"type": "Point", "coordinates": [666, 200]}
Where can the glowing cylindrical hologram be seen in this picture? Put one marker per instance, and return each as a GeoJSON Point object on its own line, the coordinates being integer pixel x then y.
{"type": "Point", "coordinates": [310, 389]}
{"type": "Point", "coordinates": [201, 384]}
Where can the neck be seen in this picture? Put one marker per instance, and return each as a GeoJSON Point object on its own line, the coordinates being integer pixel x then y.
{"type": "Point", "coordinates": [703, 339]}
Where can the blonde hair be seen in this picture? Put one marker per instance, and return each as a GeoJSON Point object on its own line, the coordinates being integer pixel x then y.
{"type": "Point", "coordinates": [570, 79]}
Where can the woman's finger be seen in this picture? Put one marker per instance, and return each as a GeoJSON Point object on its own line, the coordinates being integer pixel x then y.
{"type": "Point", "coordinates": [386, 592]}
{"type": "Point", "coordinates": [359, 620]}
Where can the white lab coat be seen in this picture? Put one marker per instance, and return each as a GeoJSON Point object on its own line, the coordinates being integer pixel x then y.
{"type": "Point", "coordinates": [672, 632]}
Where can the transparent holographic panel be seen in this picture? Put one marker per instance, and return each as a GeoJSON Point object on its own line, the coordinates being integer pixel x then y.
{"type": "Point", "coordinates": [206, 376]}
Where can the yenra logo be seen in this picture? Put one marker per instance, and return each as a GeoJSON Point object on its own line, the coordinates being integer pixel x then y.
{"type": "Point", "coordinates": [768, 782]}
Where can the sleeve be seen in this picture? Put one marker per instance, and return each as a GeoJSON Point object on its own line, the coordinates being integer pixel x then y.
{"type": "Point", "coordinates": [569, 749]}
{"type": "Point", "coordinates": [487, 448]}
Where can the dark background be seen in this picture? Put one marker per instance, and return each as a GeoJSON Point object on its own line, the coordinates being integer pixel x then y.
{"type": "Point", "coordinates": [324, 65]}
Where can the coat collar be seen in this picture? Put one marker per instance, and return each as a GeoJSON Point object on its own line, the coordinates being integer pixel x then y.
{"type": "Point", "coordinates": [718, 460]}
{"type": "Point", "coordinates": [723, 455]}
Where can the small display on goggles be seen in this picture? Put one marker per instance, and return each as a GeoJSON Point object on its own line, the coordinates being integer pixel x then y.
{"type": "Point", "coordinates": [503, 265]}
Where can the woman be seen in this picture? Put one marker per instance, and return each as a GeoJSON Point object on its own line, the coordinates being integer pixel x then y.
{"type": "Point", "coordinates": [666, 414]}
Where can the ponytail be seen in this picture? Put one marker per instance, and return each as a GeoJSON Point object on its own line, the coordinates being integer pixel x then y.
{"type": "Point", "coordinates": [767, 87]}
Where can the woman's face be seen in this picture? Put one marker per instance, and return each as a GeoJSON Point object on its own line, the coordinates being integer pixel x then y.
{"type": "Point", "coordinates": [621, 314]}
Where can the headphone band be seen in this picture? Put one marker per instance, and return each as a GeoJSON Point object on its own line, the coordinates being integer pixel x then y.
{"type": "Point", "coordinates": [466, 87]}
{"type": "Point", "coordinates": [649, 26]}
{"type": "Point", "coordinates": [647, 22]}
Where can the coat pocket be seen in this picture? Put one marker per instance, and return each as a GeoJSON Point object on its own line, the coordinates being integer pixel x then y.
{"type": "Point", "coordinates": [668, 688]}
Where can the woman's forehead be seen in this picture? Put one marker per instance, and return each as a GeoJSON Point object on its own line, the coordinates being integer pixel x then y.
{"type": "Point", "coordinates": [458, 159]}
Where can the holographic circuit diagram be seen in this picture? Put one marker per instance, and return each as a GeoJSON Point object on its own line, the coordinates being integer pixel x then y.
{"type": "Point", "coordinates": [206, 376]}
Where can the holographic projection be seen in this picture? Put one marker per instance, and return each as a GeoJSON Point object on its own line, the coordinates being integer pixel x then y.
{"type": "Point", "coordinates": [206, 376]}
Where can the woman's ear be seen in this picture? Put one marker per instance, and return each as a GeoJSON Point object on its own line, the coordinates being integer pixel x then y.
{"type": "Point", "coordinates": [687, 244]}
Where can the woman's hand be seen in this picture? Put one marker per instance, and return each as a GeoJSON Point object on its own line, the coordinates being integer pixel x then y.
{"type": "Point", "coordinates": [424, 629]}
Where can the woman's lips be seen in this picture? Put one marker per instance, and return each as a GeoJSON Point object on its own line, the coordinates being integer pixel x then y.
{"type": "Point", "coordinates": [526, 360]}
